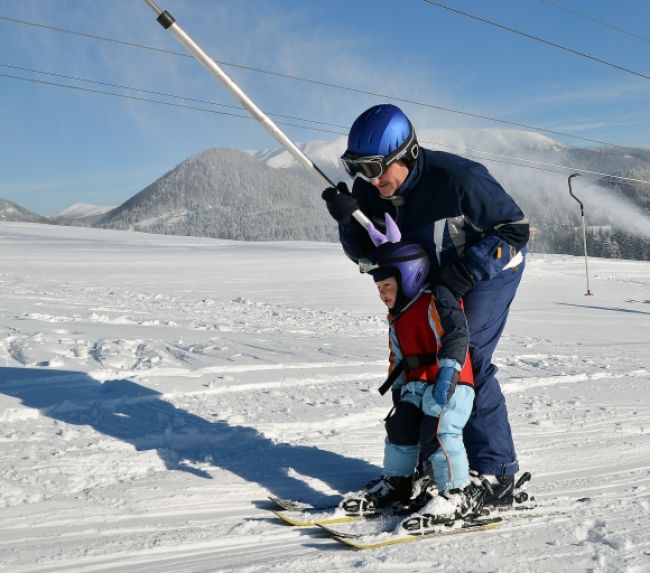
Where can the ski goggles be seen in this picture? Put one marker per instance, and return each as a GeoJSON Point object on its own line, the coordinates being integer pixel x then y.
{"type": "Point", "coordinates": [371, 167]}
{"type": "Point", "coordinates": [368, 168]}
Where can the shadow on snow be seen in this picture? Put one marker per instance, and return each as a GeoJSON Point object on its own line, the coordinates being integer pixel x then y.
{"type": "Point", "coordinates": [140, 416]}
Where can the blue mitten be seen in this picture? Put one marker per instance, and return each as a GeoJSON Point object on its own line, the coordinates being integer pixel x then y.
{"type": "Point", "coordinates": [446, 381]}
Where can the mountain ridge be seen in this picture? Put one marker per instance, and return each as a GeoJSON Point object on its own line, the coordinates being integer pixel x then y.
{"type": "Point", "coordinates": [266, 195]}
{"type": "Point", "coordinates": [10, 211]}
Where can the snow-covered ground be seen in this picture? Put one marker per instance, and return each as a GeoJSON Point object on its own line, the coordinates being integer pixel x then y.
{"type": "Point", "coordinates": [155, 390]}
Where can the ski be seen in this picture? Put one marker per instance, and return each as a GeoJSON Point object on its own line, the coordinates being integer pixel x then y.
{"type": "Point", "coordinates": [304, 515]}
{"type": "Point", "coordinates": [311, 517]}
{"type": "Point", "coordinates": [398, 536]}
{"type": "Point", "coordinates": [336, 515]}
{"type": "Point", "coordinates": [297, 505]}
{"type": "Point", "coordinates": [386, 524]}
{"type": "Point", "coordinates": [360, 528]}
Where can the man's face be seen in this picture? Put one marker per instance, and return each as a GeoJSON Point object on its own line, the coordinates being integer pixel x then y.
{"type": "Point", "coordinates": [388, 291]}
{"type": "Point", "coordinates": [391, 179]}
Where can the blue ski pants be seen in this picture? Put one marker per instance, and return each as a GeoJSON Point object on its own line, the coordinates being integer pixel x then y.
{"type": "Point", "coordinates": [487, 434]}
{"type": "Point", "coordinates": [420, 426]}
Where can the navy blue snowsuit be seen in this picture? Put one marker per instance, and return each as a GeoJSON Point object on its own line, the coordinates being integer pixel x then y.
{"type": "Point", "coordinates": [475, 236]}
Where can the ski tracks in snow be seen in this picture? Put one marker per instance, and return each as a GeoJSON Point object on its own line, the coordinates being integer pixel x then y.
{"type": "Point", "coordinates": [143, 425]}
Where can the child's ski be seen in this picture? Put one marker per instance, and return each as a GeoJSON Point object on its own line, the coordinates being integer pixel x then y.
{"type": "Point", "coordinates": [402, 536]}
{"type": "Point", "coordinates": [310, 517]}
{"type": "Point", "coordinates": [296, 505]}
{"type": "Point", "coordinates": [360, 528]}
{"type": "Point", "coordinates": [305, 515]}
{"type": "Point", "coordinates": [386, 525]}
{"type": "Point", "coordinates": [324, 516]}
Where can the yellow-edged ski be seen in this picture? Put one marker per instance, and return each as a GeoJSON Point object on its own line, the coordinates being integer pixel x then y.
{"type": "Point", "coordinates": [307, 518]}
{"type": "Point", "coordinates": [394, 538]}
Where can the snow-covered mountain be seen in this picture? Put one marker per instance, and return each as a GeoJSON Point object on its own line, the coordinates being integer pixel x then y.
{"type": "Point", "coordinates": [83, 212]}
{"type": "Point", "coordinates": [266, 195]}
{"type": "Point", "coordinates": [12, 212]}
{"type": "Point", "coordinates": [227, 194]}
{"type": "Point", "coordinates": [76, 214]}
{"type": "Point", "coordinates": [326, 154]}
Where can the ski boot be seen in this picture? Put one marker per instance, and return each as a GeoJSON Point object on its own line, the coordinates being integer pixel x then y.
{"type": "Point", "coordinates": [379, 493]}
{"type": "Point", "coordinates": [447, 507]}
{"type": "Point", "coordinates": [504, 492]}
{"type": "Point", "coordinates": [424, 489]}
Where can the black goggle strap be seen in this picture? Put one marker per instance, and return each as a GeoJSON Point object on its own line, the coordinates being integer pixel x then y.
{"type": "Point", "coordinates": [409, 147]}
{"type": "Point", "coordinates": [365, 265]}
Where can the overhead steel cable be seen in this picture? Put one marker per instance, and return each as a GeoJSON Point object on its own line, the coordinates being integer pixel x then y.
{"type": "Point", "coordinates": [504, 159]}
{"type": "Point", "coordinates": [327, 84]}
{"type": "Point", "coordinates": [537, 38]}
{"type": "Point", "coordinates": [164, 94]}
{"type": "Point", "coordinates": [160, 102]}
{"type": "Point", "coordinates": [92, 36]}
{"type": "Point", "coordinates": [601, 22]}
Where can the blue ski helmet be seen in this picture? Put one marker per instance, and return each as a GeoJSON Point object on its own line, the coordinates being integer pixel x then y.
{"type": "Point", "coordinates": [381, 130]}
{"type": "Point", "coordinates": [408, 262]}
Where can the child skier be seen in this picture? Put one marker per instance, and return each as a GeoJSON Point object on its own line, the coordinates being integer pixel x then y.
{"type": "Point", "coordinates": [432, 385]}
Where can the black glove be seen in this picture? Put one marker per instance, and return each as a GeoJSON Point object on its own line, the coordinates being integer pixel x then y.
{"type": "Point", "coordinates": [456, 277]}
{"type": "Point", "coordinates": [340, 202]}
{"type": "Point", "coordinates": [396, 394]}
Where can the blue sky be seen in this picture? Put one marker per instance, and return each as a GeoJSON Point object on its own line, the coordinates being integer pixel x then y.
{"type": "Point", "coordinates": [61, 146]}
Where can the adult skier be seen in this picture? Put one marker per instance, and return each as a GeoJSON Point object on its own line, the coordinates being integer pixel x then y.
{"type": "Point", "coordinates": [475, 236]}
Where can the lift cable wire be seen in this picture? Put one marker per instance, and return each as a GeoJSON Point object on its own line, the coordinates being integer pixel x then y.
{"type": "Point", "coordinates": [168, 103]}
{"type": "Point", "coordinates": [601, 22]}
{"type": "Point", "coordinates": [157, 93]}
{"type": "Point", "coordinates": [537, 38]}
{"type": "Point", "coordinates": [505, 159]}
{"type": "Point", "coordinates": [326, 84]}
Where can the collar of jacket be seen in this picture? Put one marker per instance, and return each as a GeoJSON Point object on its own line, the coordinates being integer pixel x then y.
{"type": "Point", "coordinates": [399, 198]}
{"type": "Point", "coordinates": [400, 309]}
{"type": "Point", "coordinates": [413, 176]}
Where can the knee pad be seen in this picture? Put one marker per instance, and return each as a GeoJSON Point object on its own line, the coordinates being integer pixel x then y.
{"type": "Point", "coordinates": [429, 442]}
{"type": "Point", "coordinates": [403, 426]}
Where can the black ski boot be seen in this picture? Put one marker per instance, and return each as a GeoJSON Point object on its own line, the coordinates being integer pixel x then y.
{"type": "Point", "coordinates": [379, 493]}
{"type": "Point", "coordinates": [504, 492]}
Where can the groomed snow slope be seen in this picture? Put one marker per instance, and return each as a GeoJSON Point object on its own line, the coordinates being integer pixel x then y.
{"type": "Point", "coordinates": [155, 390]}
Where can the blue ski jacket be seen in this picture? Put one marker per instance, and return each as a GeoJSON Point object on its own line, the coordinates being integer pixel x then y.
{"type": "Point", "coordinates": [455, 209]}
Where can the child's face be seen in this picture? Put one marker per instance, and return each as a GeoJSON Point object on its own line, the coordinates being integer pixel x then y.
{"type": "Point", "coordinates": [388, 291]}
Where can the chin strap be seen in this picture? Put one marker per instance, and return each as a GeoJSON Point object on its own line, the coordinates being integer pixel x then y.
{"type": "Point", "coordinates": [396, 200]}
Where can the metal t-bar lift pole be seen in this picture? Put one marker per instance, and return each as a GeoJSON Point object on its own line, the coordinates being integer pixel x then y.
{"type": "Point", "coordinates": [167, 21]}
{"type": "Point", "coordinates": [584, 230]}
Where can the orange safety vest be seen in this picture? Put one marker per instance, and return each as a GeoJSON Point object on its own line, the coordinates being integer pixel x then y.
{"type": "Point", "coordinates": [419, 345]}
